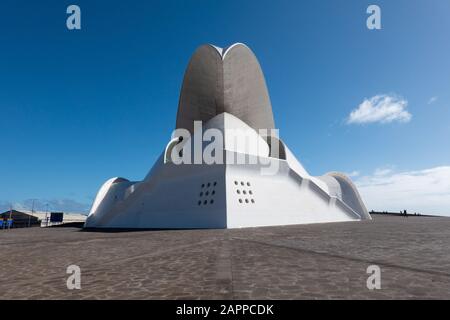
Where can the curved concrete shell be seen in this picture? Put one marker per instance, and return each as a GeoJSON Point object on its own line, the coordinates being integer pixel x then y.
{"type": "Point", "coordinates": [226, 90]}
{"type": "Point", "coordinates": [224, 80]}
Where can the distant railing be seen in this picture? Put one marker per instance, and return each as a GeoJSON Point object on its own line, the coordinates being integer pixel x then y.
{"type": "Point", "coordinates": [401, 213]}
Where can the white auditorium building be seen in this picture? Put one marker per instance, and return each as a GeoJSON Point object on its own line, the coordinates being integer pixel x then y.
{"type": "Point", "coordinates": [225, 89]}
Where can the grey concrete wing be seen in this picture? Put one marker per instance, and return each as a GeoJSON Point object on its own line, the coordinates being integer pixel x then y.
{"type": "Point", "coordinates": [224, 80]}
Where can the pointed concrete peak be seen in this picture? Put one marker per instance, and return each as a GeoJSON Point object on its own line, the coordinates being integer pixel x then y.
{"type": "Point", "coordinates": [219, 49]}
{"type": "Point", "coordinates": [223, 51]}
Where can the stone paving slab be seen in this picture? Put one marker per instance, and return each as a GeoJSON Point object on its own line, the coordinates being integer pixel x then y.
{"type": "Point", "coordinates": [319, 261]}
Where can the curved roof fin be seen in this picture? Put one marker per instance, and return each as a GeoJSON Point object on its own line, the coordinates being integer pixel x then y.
{"type": "Point", "coordinates": [224, 80]}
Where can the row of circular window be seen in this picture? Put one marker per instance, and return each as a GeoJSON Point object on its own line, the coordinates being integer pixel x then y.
{"type": "Point", "coordinates": [242, 183]}
{"type": "Point", "coordinates": [207, 193]}
{"type": "Point", "coordinates": [204, 202]}
{"type": "Point", "coordinates": [246, 200]}
{"type": "Point", "coordinates": [207, 185]}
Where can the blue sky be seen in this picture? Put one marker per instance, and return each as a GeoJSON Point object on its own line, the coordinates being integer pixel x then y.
{"type": "Point", "coordinates": [79, 107]}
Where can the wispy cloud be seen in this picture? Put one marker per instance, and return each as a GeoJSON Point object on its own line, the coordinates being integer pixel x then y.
{"type": "Point", "coordinates": [433, 100]}
{"type": "Point", "coordinates": [383, 171]}
{"type": "Point", "coordinates": [380, 108]}
{"type": "Point", "coordinates": [424, 191]}
{"type": "Point", "coordinates": [352, 174]}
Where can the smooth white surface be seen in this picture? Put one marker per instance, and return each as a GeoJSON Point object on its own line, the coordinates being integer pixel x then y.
{"type": "Point", "coordinates": [169, 195]}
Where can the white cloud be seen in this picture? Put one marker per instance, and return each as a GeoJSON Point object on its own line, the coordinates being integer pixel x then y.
{"type": "Point", "coordinates": [380, 108]}
{"type": "Point", "coordinates": [382, 171]}
{"type": "Point", "coordinates": [432, 100]}
{"type": "Point", "coordinates": [352, 174]}
{"type": "Point", "coordinates": [424, 191]}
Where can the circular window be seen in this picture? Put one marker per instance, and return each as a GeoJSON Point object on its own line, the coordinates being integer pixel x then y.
{"type": "Point", "coordinates": [209, 184]}
{"type": "Point", "coordinates": [240, 200]}
{"type": "Point", "coordinates": [250, 192]}
{"type": "Point", "coordinates": [203, 185]}
{"type": "Point", "coordinates": [242, 183]}
{"type": "Point", "coordinates": [215, 183]}
{"type": "Point", "coordinates": [253, 201]}
{"type": "Point", "coordinates": [212, 201]}
{"type": "Point", "coordinates": [201, 194]}
{"type": "Point", "coordinates": [248, 183]}
{"type": "Point", "coordinates": [205, 202]}
{"type": "Point", "coordinates": [207, 193]}
{"type": "Point", "coordinates": [244, 192]}
{"type": "Point", "coordinates": [213, 192]}
{"type": "Point", "coordinates": [246, 200]}
{"type": "Point", "coordinates": [199, 202]}
{"type": "Point", "coordinates": [238, 191]}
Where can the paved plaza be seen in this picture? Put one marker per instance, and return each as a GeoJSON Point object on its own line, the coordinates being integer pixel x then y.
{"type": "Point", "coordinates": [320, 261]}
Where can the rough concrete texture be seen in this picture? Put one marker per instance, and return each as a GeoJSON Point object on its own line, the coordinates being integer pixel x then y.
{"type": "Point", "coordinates": [321, 261]}
{"type": "Point", "coordinates": [224, 80]}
